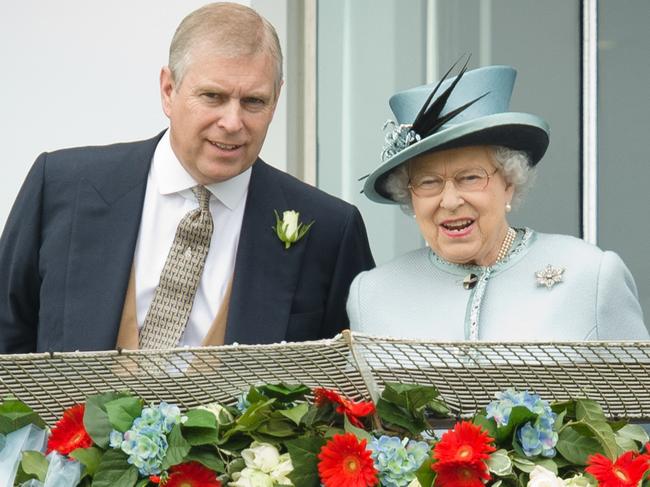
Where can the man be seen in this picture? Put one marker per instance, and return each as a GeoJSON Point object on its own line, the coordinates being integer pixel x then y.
{"type": "Point", "coordinates": [170, 241]}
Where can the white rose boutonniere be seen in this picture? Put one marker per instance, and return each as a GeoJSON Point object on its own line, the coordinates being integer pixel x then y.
{"type": "Point", "coordinates": [289, 229]}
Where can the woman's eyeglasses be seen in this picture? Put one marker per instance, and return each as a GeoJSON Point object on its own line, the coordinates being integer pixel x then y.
{"type": "Point", "coordinates": [466, 180]}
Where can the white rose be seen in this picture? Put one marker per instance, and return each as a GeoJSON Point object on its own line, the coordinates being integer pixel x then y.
{"type": "Point", "coordinates": [221, 413]}
{"type": "Point", "coordinates": [542, 477]}
{"type": "Point", "coordinates": [414, 483]}
{"type": "Point", "coordinates": [261, 456]}
{"type": "Point", "coordinates": [250, 477]}
{"type": "Point", "coordinates": [284, 468]}
{"type": "Point", "coordinates": [290, 224]}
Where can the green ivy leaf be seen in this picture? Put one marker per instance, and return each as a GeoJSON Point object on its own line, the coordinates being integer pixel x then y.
{"type": "Point", "coordinates": [296, 413]}
{"type": "Point", "coordinates": [89, 458]}
{"type": "Point", "coordinates": [488, 424]}
{"type": "Point", "coordinates": [523, 463]}
{"type": "Point", "coordinates": [96, 420]}
{"type": "Point", "coordinates": [276, 428]}
{"type": "Point", "coordinates": [424, 474]}
{"type": "Point", "coordinates": [589, 411]}
{"type": "Point", "coordinates": [285, 392]}
{"type": "Point", "coordinates": [34, 465]}
{"type": "Point", "coordinates": [304, 458]}
{"type": "Point", "coordinates": [15, 414]}
{"type": "Point", "coordinates": [200, 428]}
{"type": "Point", "coordinates": [548, 464]}
{"type": "Point", "coordinates": [576, 448]}
{"type": "Point", "coordinates": [499, 463]}
{"type": "Point", "coordinates": [114, 470]}
{"type": "Point", "coordinates": [360, 433]}
{"type": "Point", "coordinates": [634, 432]}
{"type": "Point", "coordinates": [409, 396]}
{"type": "Point", "coordinates": [200, 418]}
{"type": "Point", "coordinates": [393, 414]}
{"type": "Point", "coordinates": [208, 457]}
{"type": "Point", "coordinates": [123, 411]}
{"type": "Point", "coordinates": [177, 450]}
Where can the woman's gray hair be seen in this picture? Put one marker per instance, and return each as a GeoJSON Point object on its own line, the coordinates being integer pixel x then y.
{"type": "Point", "coordinates": [513, 164]}
{"type": "Point", "coordinates": [228, 29]}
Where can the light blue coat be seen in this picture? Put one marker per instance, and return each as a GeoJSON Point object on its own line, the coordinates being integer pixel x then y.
{"type": "Point", "coordinates": [418, 295]}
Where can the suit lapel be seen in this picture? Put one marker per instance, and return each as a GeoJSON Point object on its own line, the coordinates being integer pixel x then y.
{"type": "Point", "coordinates": [104, 233]}
{"type": "Point", "coordinates": [266, 274]}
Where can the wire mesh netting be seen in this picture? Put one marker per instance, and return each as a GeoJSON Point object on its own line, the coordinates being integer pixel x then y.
{"type": "Point", "coordinates": [616, 374]}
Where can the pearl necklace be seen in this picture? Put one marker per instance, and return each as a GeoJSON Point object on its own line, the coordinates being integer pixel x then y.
{"type": "Point", "coordinates": [507, 243]}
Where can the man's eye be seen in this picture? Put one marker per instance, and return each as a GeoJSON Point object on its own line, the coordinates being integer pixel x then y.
{"type": "Point", "coordinates": [254, 102]}
{"type": "Point", "coordinates": [211, 96]}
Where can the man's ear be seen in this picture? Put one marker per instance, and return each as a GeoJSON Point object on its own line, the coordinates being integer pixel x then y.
{"type": "Point", "coordinates": [167, 89]}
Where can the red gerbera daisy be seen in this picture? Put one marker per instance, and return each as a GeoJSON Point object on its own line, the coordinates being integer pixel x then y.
{"type": "Point", "coordinates": [626, 471]}
{"type": "Point", "coordinates": [461, 474]}
{"type": "Point", "coordinates": [467, 442]}
{"type": "Point", "coordinates": [345, 461]}
{"type": "Point", "coordinates": [353, 410]}
{"type": "Point", "coordinates": [191, 474]}
{"type": "Point", "coordinates": [460, 456]}
{"type": "Point", "coordinates": [69, 432]}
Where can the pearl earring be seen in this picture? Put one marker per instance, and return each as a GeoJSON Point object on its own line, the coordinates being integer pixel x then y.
{"type": "Point", "coordinates": [508, 207]}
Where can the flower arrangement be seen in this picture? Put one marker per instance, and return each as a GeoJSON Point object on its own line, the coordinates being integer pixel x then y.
{"type": "Point", "coordinates": [277, 436]}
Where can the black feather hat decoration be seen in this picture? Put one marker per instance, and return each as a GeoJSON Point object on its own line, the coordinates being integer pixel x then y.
{"type": "Point", "coordinates": [429, 120]}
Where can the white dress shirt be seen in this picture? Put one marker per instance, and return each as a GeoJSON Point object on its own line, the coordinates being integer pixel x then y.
{"type": "Point", "coordinates": [167, 200]}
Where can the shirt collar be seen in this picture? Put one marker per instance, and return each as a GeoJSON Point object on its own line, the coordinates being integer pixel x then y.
{"type": "Point", "coordinates": [172, 177]}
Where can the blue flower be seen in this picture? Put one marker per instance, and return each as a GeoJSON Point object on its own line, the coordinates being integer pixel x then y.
{"type": "Point", "coordinates": [397, 460]}
{"type": "Point", "coordinates": [536, 438]}
{"type": "Point", "coordinates": [146, 442]}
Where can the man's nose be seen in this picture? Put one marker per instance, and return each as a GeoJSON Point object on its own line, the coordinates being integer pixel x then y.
{"type": "Point", "coordinates": [450, 196]}
{"type": "Point", "coordinates": [230, 116]}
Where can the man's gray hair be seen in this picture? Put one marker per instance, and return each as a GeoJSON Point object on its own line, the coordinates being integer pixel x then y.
{"type": "Point", "coordinates": [514, 165]}
{"type": "Point", "coordinates": [228, 29]}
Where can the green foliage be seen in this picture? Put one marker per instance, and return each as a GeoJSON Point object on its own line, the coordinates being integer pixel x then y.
{"type": "Point", "coordinates": [96, 418]}
{"type": "Point", "coordinates": [33, 465]}
{"type": "Point", "coordinates": [114, 470]}
{"type": "Point", "coordinates": [304, 457]}
{"type": "Point", "coordinates": [408, 407]}
{"type": "Point", "coordinates": [123, 411]}
{"type": "Point", "coordinates": [15, 414]}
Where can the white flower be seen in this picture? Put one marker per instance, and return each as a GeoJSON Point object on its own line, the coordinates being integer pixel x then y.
{"type": "Point", "coordinates": [290, 224]}
{"type": "Point", "coordinates": [284, 468]}
{"type": "Point", "coordinates": [250, 477]}
{"type": "Point", "coordinates": [261, 456]}
{"type": "Point", "coordinates": [222, 415]}
{"type": "Point", "coordinates": [289, 229]}
{"type": "Point", "coordinates": [542, 477]}
{"type": "Point", "coordinates": [414, 483]}
{"type": "Point", "coordinates": [579, 481]}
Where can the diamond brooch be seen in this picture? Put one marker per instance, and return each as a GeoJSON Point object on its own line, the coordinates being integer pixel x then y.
{"type": "Point", "coordinates": [549, 276]}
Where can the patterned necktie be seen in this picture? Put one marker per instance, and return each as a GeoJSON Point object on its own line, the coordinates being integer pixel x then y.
{"type": "Point", "coordinates": [179, 279]}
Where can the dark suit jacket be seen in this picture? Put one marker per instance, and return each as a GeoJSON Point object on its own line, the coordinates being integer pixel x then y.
{"type": "Point", "coordinates": [67, 250]}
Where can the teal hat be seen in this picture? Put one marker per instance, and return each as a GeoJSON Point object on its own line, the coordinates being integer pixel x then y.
{"type": "Point", "coordinates": [470, 109]}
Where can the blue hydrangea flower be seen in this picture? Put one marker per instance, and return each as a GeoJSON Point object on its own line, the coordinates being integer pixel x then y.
{"type": "Point", "coordinates": [537, 438]}
{"type": "Point", "coordinates": [146, 442]}
{"type": "Point", "coordinates": [397, 460]}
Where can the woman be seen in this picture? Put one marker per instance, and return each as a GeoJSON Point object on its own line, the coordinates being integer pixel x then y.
{"type": "Point", "coordinates": [460, 161]}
